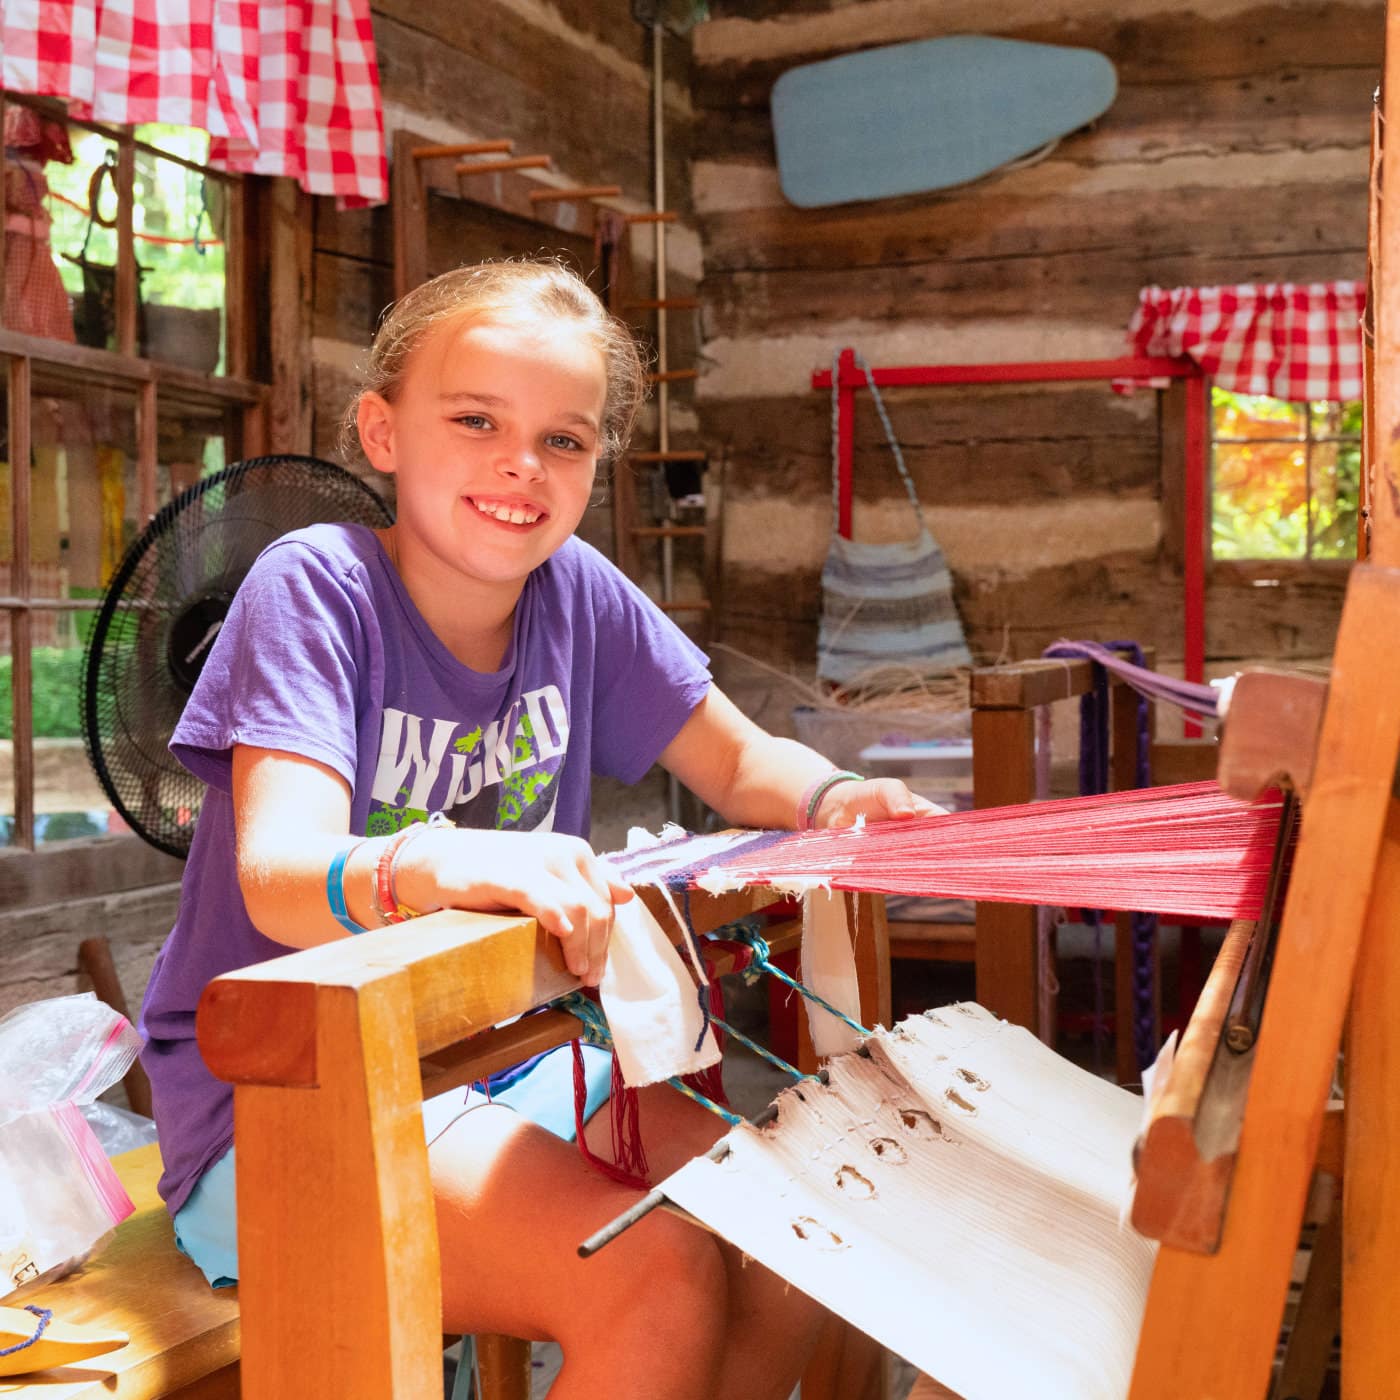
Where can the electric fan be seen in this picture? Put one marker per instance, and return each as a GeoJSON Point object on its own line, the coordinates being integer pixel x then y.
{"type": "Point", "coordinates": [163, 609]}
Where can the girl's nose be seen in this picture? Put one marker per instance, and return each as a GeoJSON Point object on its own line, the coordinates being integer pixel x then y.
{"type": "Point", "coordinates": [522, 462]}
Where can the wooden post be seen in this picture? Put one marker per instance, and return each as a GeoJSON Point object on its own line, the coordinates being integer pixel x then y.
{"type": "Point", "coordinates": [289, 293]}
{"type": "Point", "coordinates": [410, 213]}
{"type": "Point", "coordinates": [1124, 700]}
{"type": "Point", "coordinates": [1371, 1196]}
{"type": "Point", "coordinates": [368, 1277]}
{"type": "Point", "coordinates": [1003, 768]}
{"type": "Point", "coordinates": [1350, 827]}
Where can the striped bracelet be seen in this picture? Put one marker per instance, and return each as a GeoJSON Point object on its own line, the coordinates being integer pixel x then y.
{"type": "Point", "coordinates": [811, 799]}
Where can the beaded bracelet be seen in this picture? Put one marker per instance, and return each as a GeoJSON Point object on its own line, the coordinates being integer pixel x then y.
{"type": "Point", "coordinates": [811, 799]}
{"type": "Point", "coordinates": [335, 889]}
{"type": "Point", "coordinates": [383, 893]}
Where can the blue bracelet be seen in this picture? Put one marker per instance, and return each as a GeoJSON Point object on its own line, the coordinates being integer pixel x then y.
{"type": "Point", "coordinates": [335, 890]}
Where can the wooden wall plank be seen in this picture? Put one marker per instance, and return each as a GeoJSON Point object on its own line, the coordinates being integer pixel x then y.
{"type": "Point", "coordinates": [39, 946]}
{"type": "Point", "coordinates": [1160, 47]}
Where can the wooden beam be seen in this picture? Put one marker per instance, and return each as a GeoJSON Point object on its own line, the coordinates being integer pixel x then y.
{"type": "Point", "coordinates": [1024, 685]}
{"type": "Point", "coordinates": [1008, 974]}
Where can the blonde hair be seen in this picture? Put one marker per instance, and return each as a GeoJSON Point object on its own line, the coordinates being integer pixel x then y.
{"type": "Point", "coordinates": [543, 286]}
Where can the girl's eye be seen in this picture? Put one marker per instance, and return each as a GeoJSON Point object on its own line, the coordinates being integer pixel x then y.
{"type": "Point", "coordinates": [473, 420]}
{"type": "Point", "coordinates": [564, 441]}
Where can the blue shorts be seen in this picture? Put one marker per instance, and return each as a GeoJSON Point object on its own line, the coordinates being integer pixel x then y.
{"type": "Point", "coordinates": [205, 1226]}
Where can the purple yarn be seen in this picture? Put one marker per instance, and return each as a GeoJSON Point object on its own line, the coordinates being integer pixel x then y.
{"type": "Point", "coordinates": [45, 1316]}
{"type": "Point", "coordinates": [1201, 700]}
{"type": "Point", "coordinates": [1094, 779]}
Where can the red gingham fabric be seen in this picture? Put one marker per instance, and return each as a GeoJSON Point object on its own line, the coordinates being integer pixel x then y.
{"type": "Point", "coordinates": [1295, 342]}
{"type": "Point", "coordinates": [285, 87]}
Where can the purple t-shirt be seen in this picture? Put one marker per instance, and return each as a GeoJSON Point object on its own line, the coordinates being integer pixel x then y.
{"type": "Point", "coordinates": [324, 654]}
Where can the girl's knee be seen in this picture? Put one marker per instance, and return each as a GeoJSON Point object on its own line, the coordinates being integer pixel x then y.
{"type": "Point", "coordinates": [663, 1268]}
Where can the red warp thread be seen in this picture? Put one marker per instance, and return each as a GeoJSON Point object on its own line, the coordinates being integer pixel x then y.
{"type": "Point", "coordinates": [629, 1167]}
{"type": "Point", "coordinates": [1189, 850]}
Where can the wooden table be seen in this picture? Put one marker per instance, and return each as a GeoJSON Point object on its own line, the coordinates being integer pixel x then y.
{"type": "Point", "coordinates": [184, 1334]}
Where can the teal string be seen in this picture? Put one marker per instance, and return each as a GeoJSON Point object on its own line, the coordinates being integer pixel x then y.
{"type": "Point", "coordinates": [762, 1051]}
{"type": "Point", "coordinates": [595, 1031]}
{"type": "Point", "coordinates": [761, 951]}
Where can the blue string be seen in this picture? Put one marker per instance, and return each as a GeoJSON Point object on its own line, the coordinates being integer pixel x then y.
{"type": "Point", "coordinates": [45, 1316]}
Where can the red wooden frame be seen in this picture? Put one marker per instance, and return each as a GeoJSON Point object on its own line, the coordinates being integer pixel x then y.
{"type": "Point", "coordinates": [850, 378]}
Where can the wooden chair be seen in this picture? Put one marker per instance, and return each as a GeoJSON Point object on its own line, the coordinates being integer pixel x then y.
{"type": "Point", "coordinates": [331, 1050]}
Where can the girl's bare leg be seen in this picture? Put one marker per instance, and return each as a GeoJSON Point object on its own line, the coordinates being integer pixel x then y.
{"type": "Point", "coordinates": [769, 1328]}
{"type": "Point", "coordinates": [643, 1320]}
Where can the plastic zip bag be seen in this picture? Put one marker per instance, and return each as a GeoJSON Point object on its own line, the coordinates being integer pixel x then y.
{"type": "Point", "coordinates": [59, 1196]}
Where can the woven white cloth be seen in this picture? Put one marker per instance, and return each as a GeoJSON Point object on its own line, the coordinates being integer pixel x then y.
{"type": "Point", "coordinates": [651, 1003]}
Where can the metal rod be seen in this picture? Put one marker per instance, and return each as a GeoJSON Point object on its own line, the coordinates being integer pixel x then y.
{"type": "Point", "coordinates": [657, 1197]}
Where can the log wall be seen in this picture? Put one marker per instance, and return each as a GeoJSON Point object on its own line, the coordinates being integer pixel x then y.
{"type": "Point", "coordinates": [1236, 151]}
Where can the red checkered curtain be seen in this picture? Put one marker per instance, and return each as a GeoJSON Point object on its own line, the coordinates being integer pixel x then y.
{"type": "Point", "coordinates": [285, 87]}
{"type": "Point", "coordinates": [1290, 341]}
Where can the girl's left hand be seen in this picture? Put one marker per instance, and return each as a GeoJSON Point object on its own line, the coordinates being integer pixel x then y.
{"type": "Point", "coordinates": [875, 799]}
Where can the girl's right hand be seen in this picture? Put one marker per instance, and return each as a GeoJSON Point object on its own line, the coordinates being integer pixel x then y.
{"type": "Point", "coordinates": [557, 879]}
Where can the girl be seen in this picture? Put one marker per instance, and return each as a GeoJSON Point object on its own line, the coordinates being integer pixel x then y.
{"type": "Point", "coordinates": [475, 657]}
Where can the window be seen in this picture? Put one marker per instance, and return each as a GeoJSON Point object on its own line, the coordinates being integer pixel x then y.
{"type": "Point", "coordinates": [1285, 478]}
{"type": "Point", "coordinates": [123, 356]}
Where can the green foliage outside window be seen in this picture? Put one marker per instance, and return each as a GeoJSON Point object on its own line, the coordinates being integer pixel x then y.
{"type": "Point", "coordinates": [178, 217]}
{"type": "Point", "coordinates": [57, 693]}
{"type": "Point", "coordinates": [1285, 478]}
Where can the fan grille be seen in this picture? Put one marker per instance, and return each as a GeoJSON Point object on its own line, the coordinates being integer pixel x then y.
{"type": "Point", "coordinates": [162, 610]}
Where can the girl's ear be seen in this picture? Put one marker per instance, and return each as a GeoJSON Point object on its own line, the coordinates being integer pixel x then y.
{"type": "Point", "coordinates": [374, 420]}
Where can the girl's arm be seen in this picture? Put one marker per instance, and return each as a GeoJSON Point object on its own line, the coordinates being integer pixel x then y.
{"type": "Point", "coordinates": [751, 778]}
{"type": "Point", "coordinates": [292, 816]}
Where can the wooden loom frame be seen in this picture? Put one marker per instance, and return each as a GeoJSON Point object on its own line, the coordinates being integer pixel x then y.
{"type": "Point", "coordinates": [323, 1046]}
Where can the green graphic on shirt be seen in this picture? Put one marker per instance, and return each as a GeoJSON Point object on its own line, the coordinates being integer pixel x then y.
{"type": "Point", "coordinates": [522, 788]}
{"type": "Point", "coordinates": [385, 821]}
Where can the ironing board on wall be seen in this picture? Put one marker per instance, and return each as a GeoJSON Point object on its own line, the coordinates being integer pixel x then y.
{"type": "Point", "coordinates": [926, 115]}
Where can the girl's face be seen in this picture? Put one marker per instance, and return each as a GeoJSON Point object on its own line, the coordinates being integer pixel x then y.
{"type": "Point", "coordinates": [494, 438]}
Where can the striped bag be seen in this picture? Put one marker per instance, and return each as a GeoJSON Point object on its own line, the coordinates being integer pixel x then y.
{"type": "Point", "coordinates": [888, 615]}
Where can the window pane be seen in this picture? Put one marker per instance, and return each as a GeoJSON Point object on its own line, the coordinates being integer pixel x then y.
{"type": "Point", "coordinates": [1330, 420]}
{"type": "Point", "coordinates": [186, 141]}
{"type": "Point", "coordinates": [1254, 416]}
{"type": "Point", "coordinates": [180, 218]}
{"type": "Point", "coordinates": [1336, 476]}
{"type": "Point", "coordinates": [83, 204]}
{"type": "Point", "coordinates": [1259, 501]}
{"type": "Point", "coordinates": [83, 513]}
{"type": "Point", "coordinates": [196, 440]}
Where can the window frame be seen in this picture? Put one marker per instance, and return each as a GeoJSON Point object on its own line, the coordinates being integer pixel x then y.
{"type": "Point", "coordinates": [151, 383]}
{"type": "Point", "coordinates": [1258, 571]}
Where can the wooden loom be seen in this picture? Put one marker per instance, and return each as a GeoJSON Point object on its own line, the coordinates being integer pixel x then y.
{"type": "Point", "coordinates": [324, 1047]}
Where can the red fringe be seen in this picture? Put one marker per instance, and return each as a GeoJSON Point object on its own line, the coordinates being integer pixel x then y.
{"type": "Point", "coordinates": [629, 1167]}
